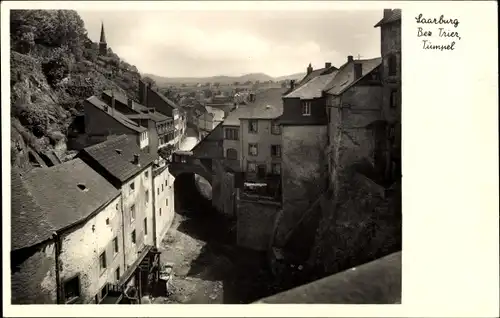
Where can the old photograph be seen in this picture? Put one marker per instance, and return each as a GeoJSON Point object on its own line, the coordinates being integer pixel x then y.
{"type": "Point", "coordinates": [205, 157]}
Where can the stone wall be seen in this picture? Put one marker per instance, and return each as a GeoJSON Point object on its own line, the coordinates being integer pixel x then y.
{"type": "Point", "coordinates": [33, 278]}
{"type": "Point", "coordinates": [82, 246]}
{"type": "Point", "coordinates": [142, 200]}
{"type": "Point", "coordinates": [254, 224]}
{"type": "Point", "coordinates": [223, 189]}
{"type": "Point", "coordinates": [303, 173]}
{"type": "Point", "coordinates": [164, 203]}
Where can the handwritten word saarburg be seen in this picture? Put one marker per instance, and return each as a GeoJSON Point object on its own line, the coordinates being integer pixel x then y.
{"type": "Point", "coordinates": [441, 20]}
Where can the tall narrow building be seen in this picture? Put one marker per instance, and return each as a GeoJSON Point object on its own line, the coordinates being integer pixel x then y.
{"type": "Point", "coordinates": [103, 46]}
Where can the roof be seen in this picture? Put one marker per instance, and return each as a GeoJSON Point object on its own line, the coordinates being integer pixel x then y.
{"type": "Point", "coordinates": [122, 99]}
{"type": "Point", "coordinates": [313, 74]}
{"type": "Point", "coordinates": [116, 155]}
{"type": "Point", "coordinates": [54, 198]}
{"type": "Point", "coordinates": [394, 16]}
{"type": "Point", "coordinates": [312, 89]}
{"type": "Point", "coordinates": [268, 104]}
{"type": "Point", "coordinates": [121, 118]}
{"type": "Point", "coordinates": [233, 118]}
{"type": "Point", "coordinates": [344, 77]}
{"type": "Point", "coordinates": [166, 100]}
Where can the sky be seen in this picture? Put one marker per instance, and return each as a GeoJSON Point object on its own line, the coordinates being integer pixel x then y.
{"type": "Point", "coordinates": [211, 43]}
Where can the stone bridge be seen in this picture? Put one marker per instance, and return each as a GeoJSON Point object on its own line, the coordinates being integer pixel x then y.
{"type": "Point", "coordinates": [199, 159]}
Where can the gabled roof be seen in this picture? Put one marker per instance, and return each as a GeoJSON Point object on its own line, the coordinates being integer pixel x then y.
{"type": "Point", "coordinates": [119, 117]}
{"type": "Point", "coordinates": [55, 198]}
{"type": "Point", "coordinates": [141, 109]}
{"type": "Point", "coordinates": [313, 74]}
{"type": "Point", "coordinates": [312, 89]}
{"type": "Point", "coordinates": [218, 114]}
{"type": "Point", "coordinates": [394, 16]}
{"type": "Point", "coordinates": [116, 156]}
{"type": "Point", "coordinates": [268, 104]}
{"type": "Point", "coordinates": [166, 100]}
{"type": "Point", "coordinates": [344, 77]}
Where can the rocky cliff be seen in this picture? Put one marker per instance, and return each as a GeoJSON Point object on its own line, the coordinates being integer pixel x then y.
{"type": "Point", "coordinates": [54, 67]}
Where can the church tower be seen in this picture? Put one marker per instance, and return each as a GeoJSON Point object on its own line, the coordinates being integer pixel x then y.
{"type": "Point", "coordinates": [103, 46]}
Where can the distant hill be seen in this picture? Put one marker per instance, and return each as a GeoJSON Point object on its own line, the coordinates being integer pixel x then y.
{"type": "Point", "coordinates": [261, 77]}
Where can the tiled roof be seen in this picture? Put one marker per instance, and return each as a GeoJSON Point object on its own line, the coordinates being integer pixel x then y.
{"type": "Point", "coordinates": [313, 74]}
{"type": "Point", "coordinates": [55, 198]}
{"type": "Point", "coordinates": [143, 110]}
{"type": "Point", "coordinates": [312, 89]}
{"type": "Point", "coordinates": [345, 75]}
{"type": "Point", "coordinates": [268, 104]}
{"type": "Point", "coordinates": [393, 17]}
{"type": "Point", "coordinates": [116, 156]}
{"type": "Point", "coordinates": [233, 118]}
{"type": "Point", "coordinates": [29, 225]}
{"type": "Point", "coordinates": [121, 118]}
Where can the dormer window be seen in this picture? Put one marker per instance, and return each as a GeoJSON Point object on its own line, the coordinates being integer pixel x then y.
{"type": "Point", "coordinates": [306, 109]}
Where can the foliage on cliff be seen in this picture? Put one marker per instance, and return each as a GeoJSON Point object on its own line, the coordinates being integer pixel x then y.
{"type": "Point", "coordinates": [54, 68]}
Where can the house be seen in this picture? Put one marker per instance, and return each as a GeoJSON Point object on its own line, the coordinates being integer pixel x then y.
{"type": "Point", "coordinates": [152, 98]}
{"type": "Point", "coordinates": [209, 119]}
{"type": "Point", "coordinates": [103, 121]}
{"type": "Point", "coordinates": [130, 170]}
{"type": "Point", "coordinates": [261, 136]}
{"type": "Point", "coordinates": [390, 49]}
{"type": "Point", "coordinates": [354, 101]}
{"type": "Point", "coordinates": [160, 127]}
{"type": "Point", "coordinates": [67, 236]}
{"type": "Point", "coordinates": [163, 188]}
{"type": "Point", "coordinates": [304, 140]}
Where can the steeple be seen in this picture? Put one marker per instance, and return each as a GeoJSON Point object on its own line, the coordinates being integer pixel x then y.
{"type": "Point", "coordinates": [103, 46]}
{"type": "Point", "coordinates": [103, 37]}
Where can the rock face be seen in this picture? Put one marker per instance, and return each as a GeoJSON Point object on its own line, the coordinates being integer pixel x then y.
{"type": "Point", "coordinates": [54, 67]}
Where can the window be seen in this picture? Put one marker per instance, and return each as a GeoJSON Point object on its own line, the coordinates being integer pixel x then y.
{"type": "Point", "coordinates": [107, 221]}
{"type": "Point", "coordinates": [162, 188]}
{"type": "Point", "coordinates": [145, 226]}
{"type": "Point", "coordinates": [253, 149]}
{"type": "Point", "coordinates": [166, 202]}
{"type": "Point", "coordinates": [117, 207]}
{"type": "Point", "coordinates": [132, 236]}
{"type": "Point", "coordinates": [306, 109]}
{"type": "Point", "coordinates": [158, 191]}
{"type": "Point", "coordinates": [102, 261]}
{"type": "Point", "coordinates": [147, 196]}
{"type": "Point", "coordinates": [253, 126]}
{"type": "Point", "coordinates": [160, 211]}
{"type": "Point", "coordinates": [275, 128]}
{"type": "Point", "coordinates": [276, 168]}
{"type": "Point", "coordinates": [146, 174]}
{"type": "Point", "coordinates": [251, 167]}
{"type": "Point", "coordinates": [276, 151]}
{"type": "Point", "coordinates": [231, 154]}
{"type": "Point", "coordinates": [132, 213]}
{"type": "Point", "coordinates": [392, 65]}
{"type": "Point", "coordinates": [132, 187]}
{"type": "Point", "coordinates": [394, 98]}
{"type": "Point", "coordinates": [117, 274]}
{"type": "Point", "coordinates": [166, 182]}
{"type": "Point", "coordinates": [104, 291]}
{"type": "Point", "coordinates": [115, 245]}
{"type": "Point", "coordinates": [71, 289]}
{"type": "Point", "coordinates": [231, 134]}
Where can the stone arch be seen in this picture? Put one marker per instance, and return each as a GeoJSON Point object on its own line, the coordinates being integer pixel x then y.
{"type": "Point", "coordinates": [231, 154]}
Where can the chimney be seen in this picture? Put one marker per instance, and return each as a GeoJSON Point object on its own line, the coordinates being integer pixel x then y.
{"type": "Point", "coordinates": [350, 58]}
{"type": "Point", "coordinates": [309, 69]}
{"type": "Point", "coordinates": [387, 13]}
{"type": "Point", "coordinates": [292, 84]}
{"type": "Point", "coordinates": [358, 70]}
{"type": "Point", "coordinates": [130, 103]}
{"type": "Point", "coordinates": [136, 159]}
{"type": "Point", "coordinates": [328, 65]}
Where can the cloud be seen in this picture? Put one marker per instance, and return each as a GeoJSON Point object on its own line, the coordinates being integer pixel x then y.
{"type": "Point", "coordinates": [183, 43]}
